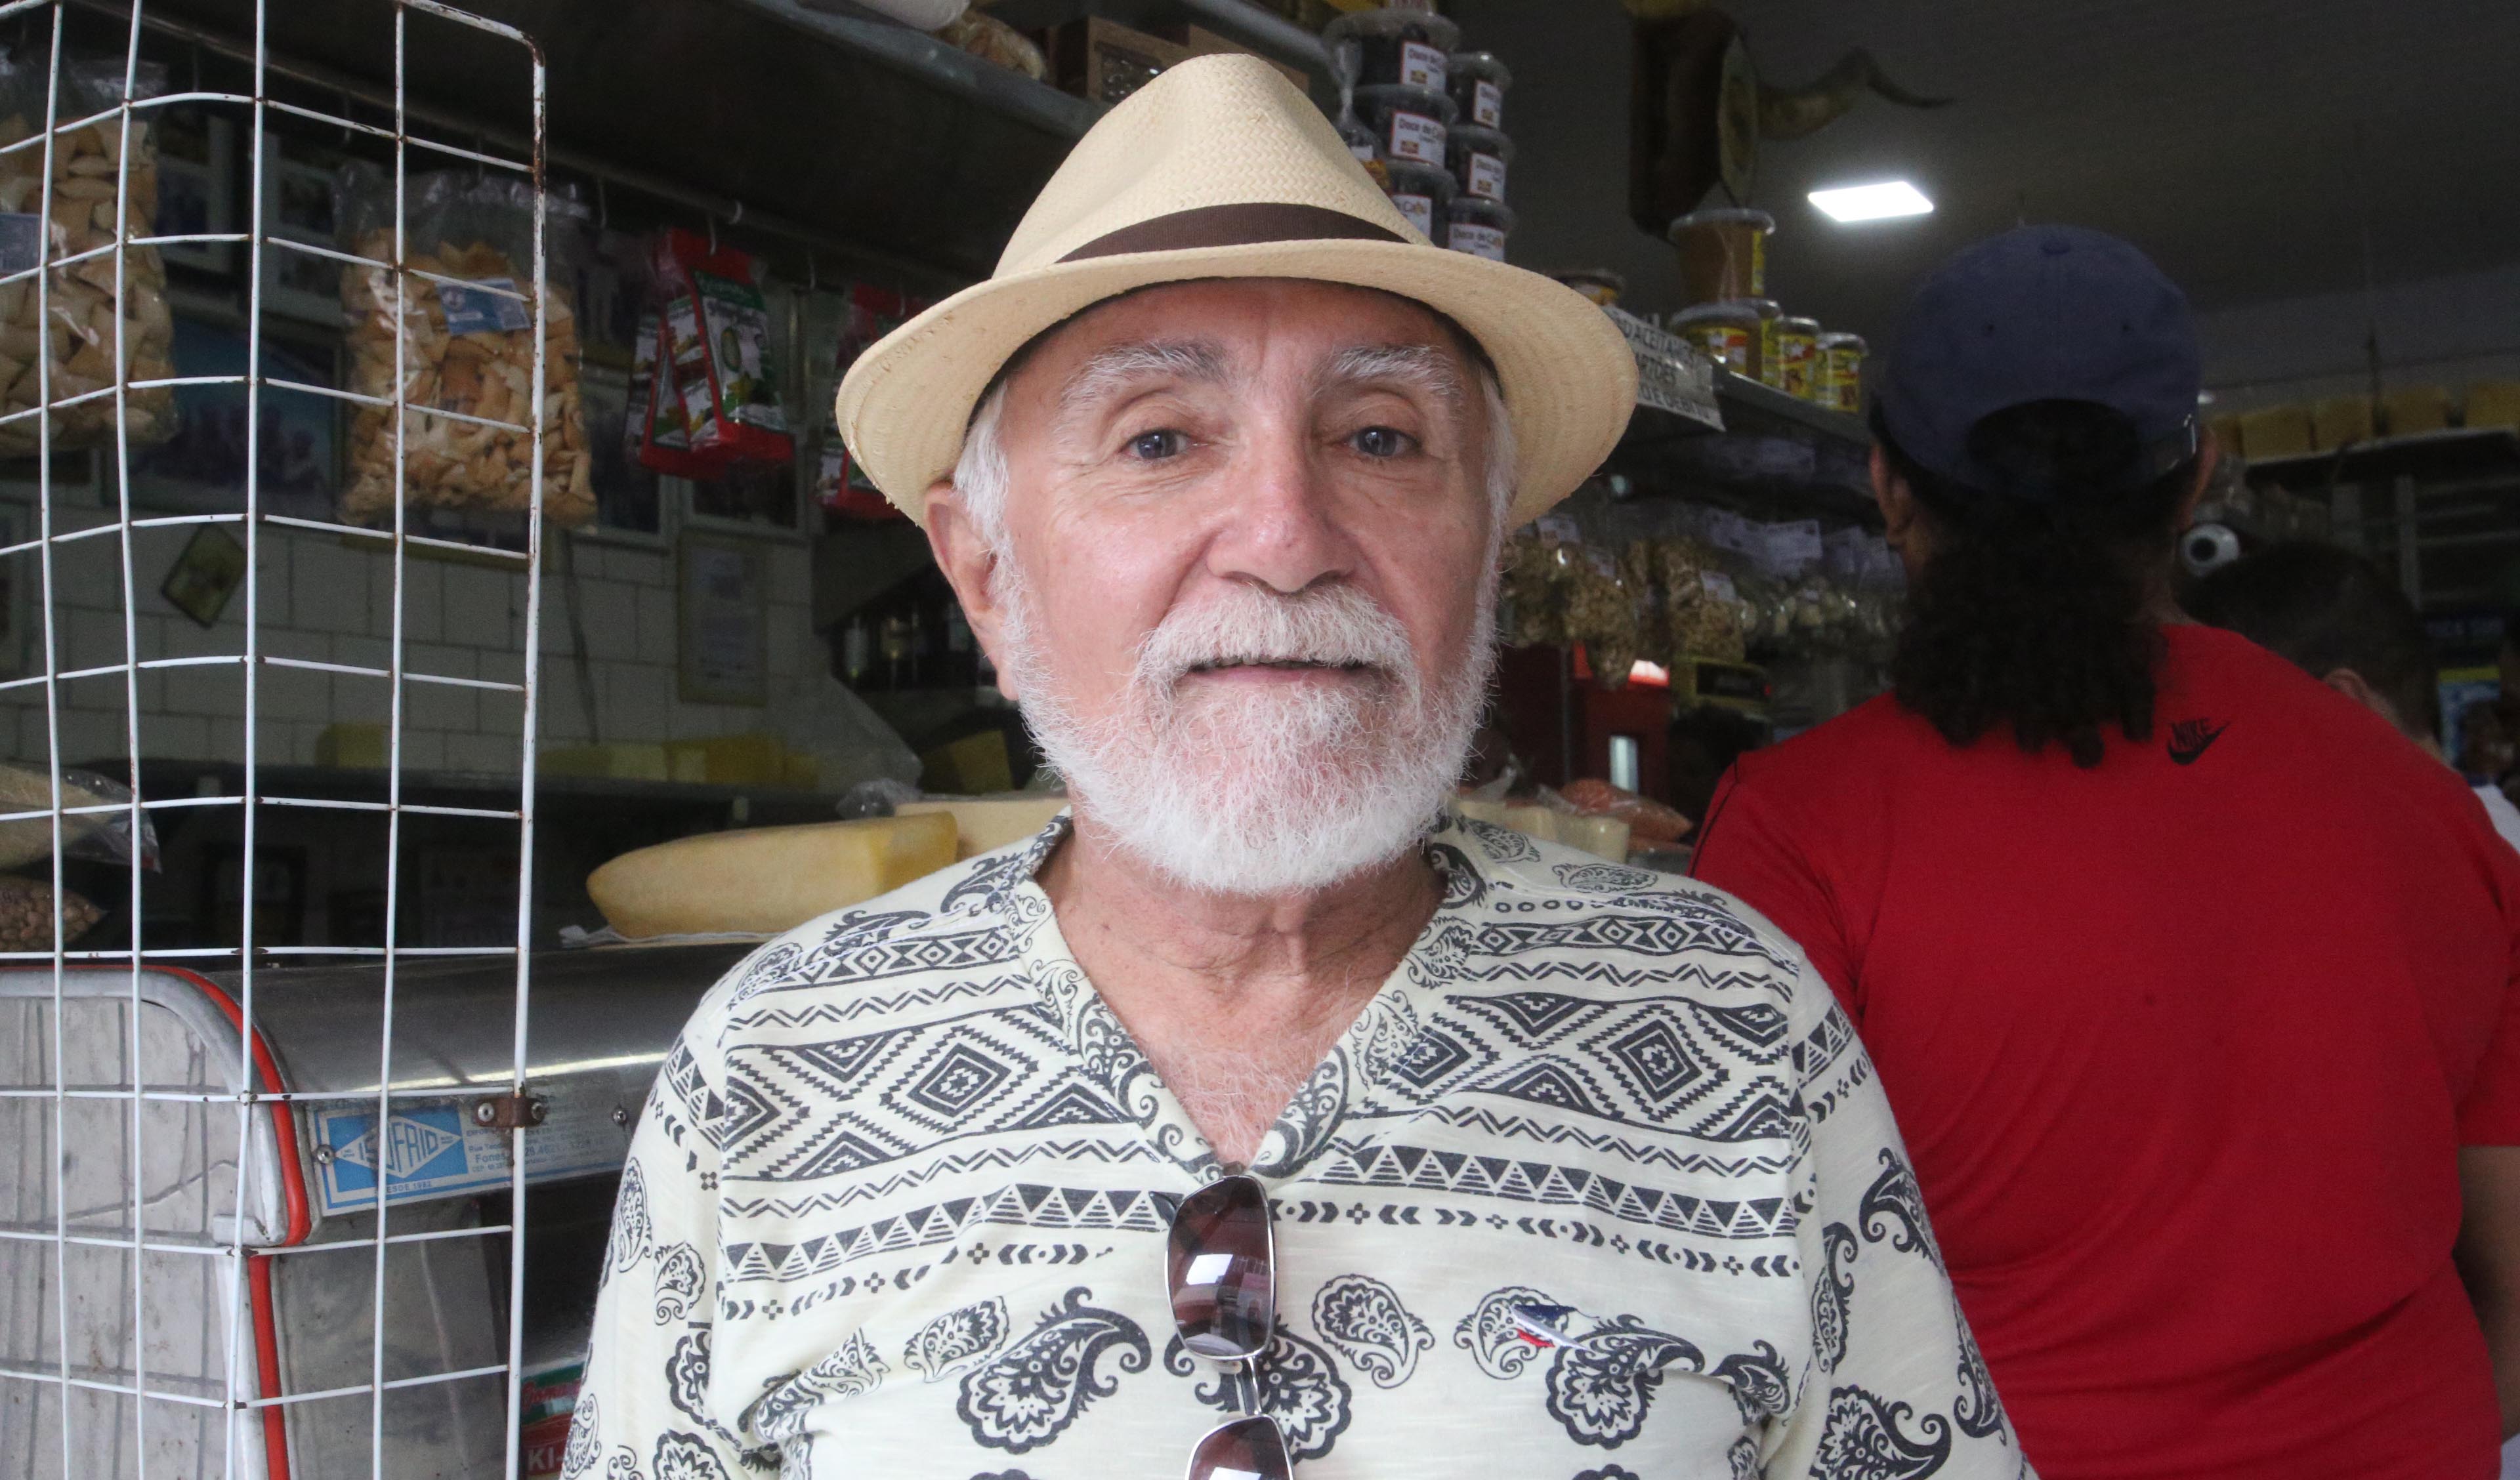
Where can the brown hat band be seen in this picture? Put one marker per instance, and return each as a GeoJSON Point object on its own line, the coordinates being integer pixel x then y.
{"type": "Point", "coordinates": [1235, 225]}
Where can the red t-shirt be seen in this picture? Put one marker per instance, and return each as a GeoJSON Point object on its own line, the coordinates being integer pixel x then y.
{"type": "Point", "coordinates": [2184, 1047]}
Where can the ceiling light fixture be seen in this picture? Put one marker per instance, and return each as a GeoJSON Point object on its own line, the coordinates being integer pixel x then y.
{"type": "Point", "coordinates": [1881, 201]}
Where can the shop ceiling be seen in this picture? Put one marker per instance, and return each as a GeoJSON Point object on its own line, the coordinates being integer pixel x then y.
{"type": "Point", "coordinates": [2248, 144]}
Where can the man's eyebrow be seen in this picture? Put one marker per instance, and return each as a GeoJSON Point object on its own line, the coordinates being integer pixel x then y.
{"type": "Point", "coordinates": [1422, 365]}
{"type": "Point", "coordinates": [1109, 371]}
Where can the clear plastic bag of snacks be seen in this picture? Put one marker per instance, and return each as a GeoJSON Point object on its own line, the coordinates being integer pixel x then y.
{"type": "Point", "coordinates": [468, 349]}
{"type": "Point", "coordinates": [80, 303]}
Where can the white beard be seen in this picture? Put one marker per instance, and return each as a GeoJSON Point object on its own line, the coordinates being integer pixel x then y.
{"type": "Point", "coordinates": [1262, 790]}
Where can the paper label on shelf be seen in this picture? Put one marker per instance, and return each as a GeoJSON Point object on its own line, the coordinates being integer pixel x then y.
{"type": "Point", "coordinates": [1421, 211]}
{"type": "Point", "coordinates": [1727, 530]}
{"type": "Point", "coordinates": [1418, 137]}
{"type": "Point", "coordinates": [1843, 552]}
{"type": "Point", "coordinates": [1487, 177]}
{"type": "Point", "coordinates": [1788, 548]}
{"type": "Point", "coordinates": [1364, 151]}
{"type": "Point", "coordinates": [1670, 375]}
{"type": "Point", "coordinates": [1423, 65]}
{"type": "Point", "coordinates": [1487, 104]}
{"type": "Point", "coordinates": [21, 241]}
{"type": "Point", "coordinates": [1718, 585]}
{"type": "Point", "coordinates": [1558, 527]}
{"type": "Point", "coordinates": [469, 310]}
{"type": "Point", "coordinates": [1478, 241]}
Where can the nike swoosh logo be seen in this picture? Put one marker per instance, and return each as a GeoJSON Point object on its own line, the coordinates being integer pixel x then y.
{"type": "Point", "coordinates": [2191, 738]}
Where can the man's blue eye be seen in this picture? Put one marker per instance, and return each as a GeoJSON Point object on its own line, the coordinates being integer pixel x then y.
{"type": "Point", "coordinates": [1381, 442]}
{"type": "Point", "coordinates": [1155, 446]}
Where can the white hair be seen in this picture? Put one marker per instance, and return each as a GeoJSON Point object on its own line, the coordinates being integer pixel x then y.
{"type": "Point", "coordinates": [980, 475]}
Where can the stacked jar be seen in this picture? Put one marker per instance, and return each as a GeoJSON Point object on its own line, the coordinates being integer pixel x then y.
{"type": "Point", "coordinates": [1424, 117]}
{"type": "Point", "coordinates": [1724, 262]}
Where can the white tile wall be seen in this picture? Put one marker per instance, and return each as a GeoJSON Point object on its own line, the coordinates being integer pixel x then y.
{"type": "Point", "coordinates": [327, 599]}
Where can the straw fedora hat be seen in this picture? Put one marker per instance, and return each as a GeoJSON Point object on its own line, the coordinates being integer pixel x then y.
{"type": "Point", "coordinates": [1220, 168]}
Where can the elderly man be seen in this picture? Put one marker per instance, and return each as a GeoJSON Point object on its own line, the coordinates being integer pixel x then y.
{"type": "Point", "coordinates": [1260, 1115]}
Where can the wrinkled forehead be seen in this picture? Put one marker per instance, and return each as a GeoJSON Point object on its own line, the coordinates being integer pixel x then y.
{"type": "Point", "coordinates": [1219, 330]}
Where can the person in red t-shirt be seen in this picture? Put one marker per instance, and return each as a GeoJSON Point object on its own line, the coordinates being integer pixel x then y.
{"type": "Point", "coordinates": [2190, 981]}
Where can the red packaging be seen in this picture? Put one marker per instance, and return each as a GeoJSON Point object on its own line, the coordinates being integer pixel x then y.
{"type": "Point", "coordinates": [839, 485]}
{"type": "Point", "coordinates": [715, 330]}
{"type": "Point", "coordinates": [656, 434]}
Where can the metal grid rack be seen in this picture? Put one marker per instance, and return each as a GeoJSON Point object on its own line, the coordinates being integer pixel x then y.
{"type": "Point", "coordinates": [151, 1193]}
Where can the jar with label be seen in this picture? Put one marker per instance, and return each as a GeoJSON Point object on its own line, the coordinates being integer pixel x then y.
{"type": "Point", "coordinates": [1479, 226]}
{"type": "Point", "coordinates": [1726, 333]}
{"type": "Point", "coordinates": [1722, 253]}
{"type": "Point", "coordinates": [1478, 158]}
{"type": "Point", "coordinates": [1841, 372]}
{"type": "Point", "coordinates": [1409, 124]}
{"type": "Point", "coordinates": [1765, 367]}
{"type": "Point", "coordinates": [1421, 191]}
{"type": "Point", "coordinates": [1392, 48]}
{"type": "Point", "coordinates": [1478, 84]}
{"type": "Point", "coordinates": [1358, 138]}
{"type": "Point", "coordinates": [1798, 350]}
{"type": "Point", "coordinates": [1599, 283]}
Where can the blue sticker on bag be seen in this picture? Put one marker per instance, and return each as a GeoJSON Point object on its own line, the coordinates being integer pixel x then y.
{"type": "Point", "coordinates": [473, 310]}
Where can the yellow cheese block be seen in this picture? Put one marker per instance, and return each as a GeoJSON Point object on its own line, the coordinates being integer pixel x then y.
{"type": "Point", "coordinates": [985, 822]}
{"type": "Point", "coordinates": [2493, 403]}
{"type": "Point", "coordinates": [766, 880]}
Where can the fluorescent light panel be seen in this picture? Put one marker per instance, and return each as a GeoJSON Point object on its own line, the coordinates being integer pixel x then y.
{"type": "Point", "coordinates": [1872, 202]}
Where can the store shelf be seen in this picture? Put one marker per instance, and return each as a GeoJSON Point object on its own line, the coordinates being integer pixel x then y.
{"type": "Point", "coordinates": [1776, 454]}
{"type": "Point", "coordinates": [2429, 457]}
{"type": "Point", "coordinates": [765, 103]}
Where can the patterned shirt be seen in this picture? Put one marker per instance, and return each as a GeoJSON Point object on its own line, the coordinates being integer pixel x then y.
{"type": "Point", "coordinates": [897, 1208]}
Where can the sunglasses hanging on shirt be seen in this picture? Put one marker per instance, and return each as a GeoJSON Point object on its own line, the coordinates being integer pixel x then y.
{"type": "Point", "coordinates": [1221, 1272]}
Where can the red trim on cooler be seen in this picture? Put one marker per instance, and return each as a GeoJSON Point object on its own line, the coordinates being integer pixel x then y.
{"type": "Point", "coordinates": [266, 1358]}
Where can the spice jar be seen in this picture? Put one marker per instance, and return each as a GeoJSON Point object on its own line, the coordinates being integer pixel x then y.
{"type": "Point", "coordinates": [1479, 226]}
{"type": "Point", "coordinates": [1421, 191]}
{"type": "Point", "coordinates": [1478, 158]}
{"type": "Point", "coordinates": [1599, 283]}
{"type": "Point", "coordinates": [1408, 122]}
{"type": "Point", "coordinates": [1478, 81]}
{"type": "Point", "coordinates": [1392, 48]}
{"type": "Point", "coordinates": [1728, 333]}
{"type": "Point", "coordinates": [1798, 356]}
{"type": "Point", "coordinates": [1722, 253]}
{"type": "Point", "coordinates": [1841, 372]}
{"type": "Point", "coordinates": [1764, 362]}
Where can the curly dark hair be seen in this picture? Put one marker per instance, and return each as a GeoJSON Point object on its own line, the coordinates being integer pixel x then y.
{"type": "Point", "coordinates": [2032, 609]}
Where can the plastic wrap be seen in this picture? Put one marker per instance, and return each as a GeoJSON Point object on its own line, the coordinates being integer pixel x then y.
{"type": "Point", "coordinates": [466, 350]}
{"type": "Point", "coordinates": [81, 306]}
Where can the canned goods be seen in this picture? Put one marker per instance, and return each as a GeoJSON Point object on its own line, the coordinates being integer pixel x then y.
{"type": "Point", "coordinates": [1798, 357]}
{"type": "Point", "coordinates": [1479, 226]}
{"type": "Point", "coordinates": [1722, 253]}
{"type": "Point", "coordinates": [1841, 372]}
{"type": "Point", "coordinates": [1409, 124]}
{"type": "Point", "coordinates": [1728, 333]}
{"type": "Point", "coordinates": [1478, 158]}
{"type": "Point", "coordinates": [1478, 84]}
{"type": "Point", "coordinates": [1392, 48]}
{"type": "Point", "coordinates": [1599, 283]}
{"type": "Point", "coordinates": [1421, 191]}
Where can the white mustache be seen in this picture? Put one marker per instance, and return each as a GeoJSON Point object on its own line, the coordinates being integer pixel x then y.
{"type": "Point", "coordinates": [1330, 626]}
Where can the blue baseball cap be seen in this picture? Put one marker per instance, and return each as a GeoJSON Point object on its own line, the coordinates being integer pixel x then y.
{"type": "Point", "coordinates": [2042, 313]}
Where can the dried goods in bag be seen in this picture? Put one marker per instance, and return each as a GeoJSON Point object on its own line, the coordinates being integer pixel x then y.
{"type": "Point", "coordinates": [467, 331]}
{"type": "Point", "coordinates": [716, 337]}
{"type": "Point", "coordinates": [79, 302]}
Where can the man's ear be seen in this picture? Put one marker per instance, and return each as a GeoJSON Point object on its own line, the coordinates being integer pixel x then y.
{"type": "Point", "coordinates": [2209, 453]}
{"type": "Point", "coordinates": [1898, 505]}
{"type": "Point", "coordinates": [2357, 687]}
{"type": "Point", "coordinates": [969, 567]}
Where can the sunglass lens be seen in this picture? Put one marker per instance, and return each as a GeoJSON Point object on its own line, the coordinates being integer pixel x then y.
{"type": "Point", "coordinates": [1247, 1448]}
{"type": "Point", "coordinates": [1224, 1291]}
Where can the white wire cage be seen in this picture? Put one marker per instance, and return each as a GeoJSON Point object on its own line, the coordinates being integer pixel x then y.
{"type": "Point", "coordinates": [211, 1266]}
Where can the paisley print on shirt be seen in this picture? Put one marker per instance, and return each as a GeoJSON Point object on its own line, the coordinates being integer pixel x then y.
{"type": "Point", "coordinates": [1493, 1336]}
{"type": "Point", "coordinates": [1364, 1321]}
{"type": "Point", "coordinates": [1863, 1440]}
{"type": "Point", "coordinates": [1300, 1386]}
{"type": "Point", "coordinates": [1601, 1385]}
{"type": "Point", "coordinates": [956, 1338]}
{"type": "Point", "coordinates": [1030, 1395]}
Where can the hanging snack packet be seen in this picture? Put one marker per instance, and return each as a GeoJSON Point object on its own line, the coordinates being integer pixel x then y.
{"type": "Point", "coordinates": [654, 432]}
{"type": "Point", "coordinates": [840, 486]}
{"type": "Point", "coordinates": [716, 334]}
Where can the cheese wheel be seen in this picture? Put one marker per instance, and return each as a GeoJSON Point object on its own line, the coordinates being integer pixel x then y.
{"type": "Point", "coordinates": [983, 823]}
{"type": "Point", "coordinates": [766, 880]}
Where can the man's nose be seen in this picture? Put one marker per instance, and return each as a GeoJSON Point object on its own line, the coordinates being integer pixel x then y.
{"type": "Point", "coordinates": [1282, 525]}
